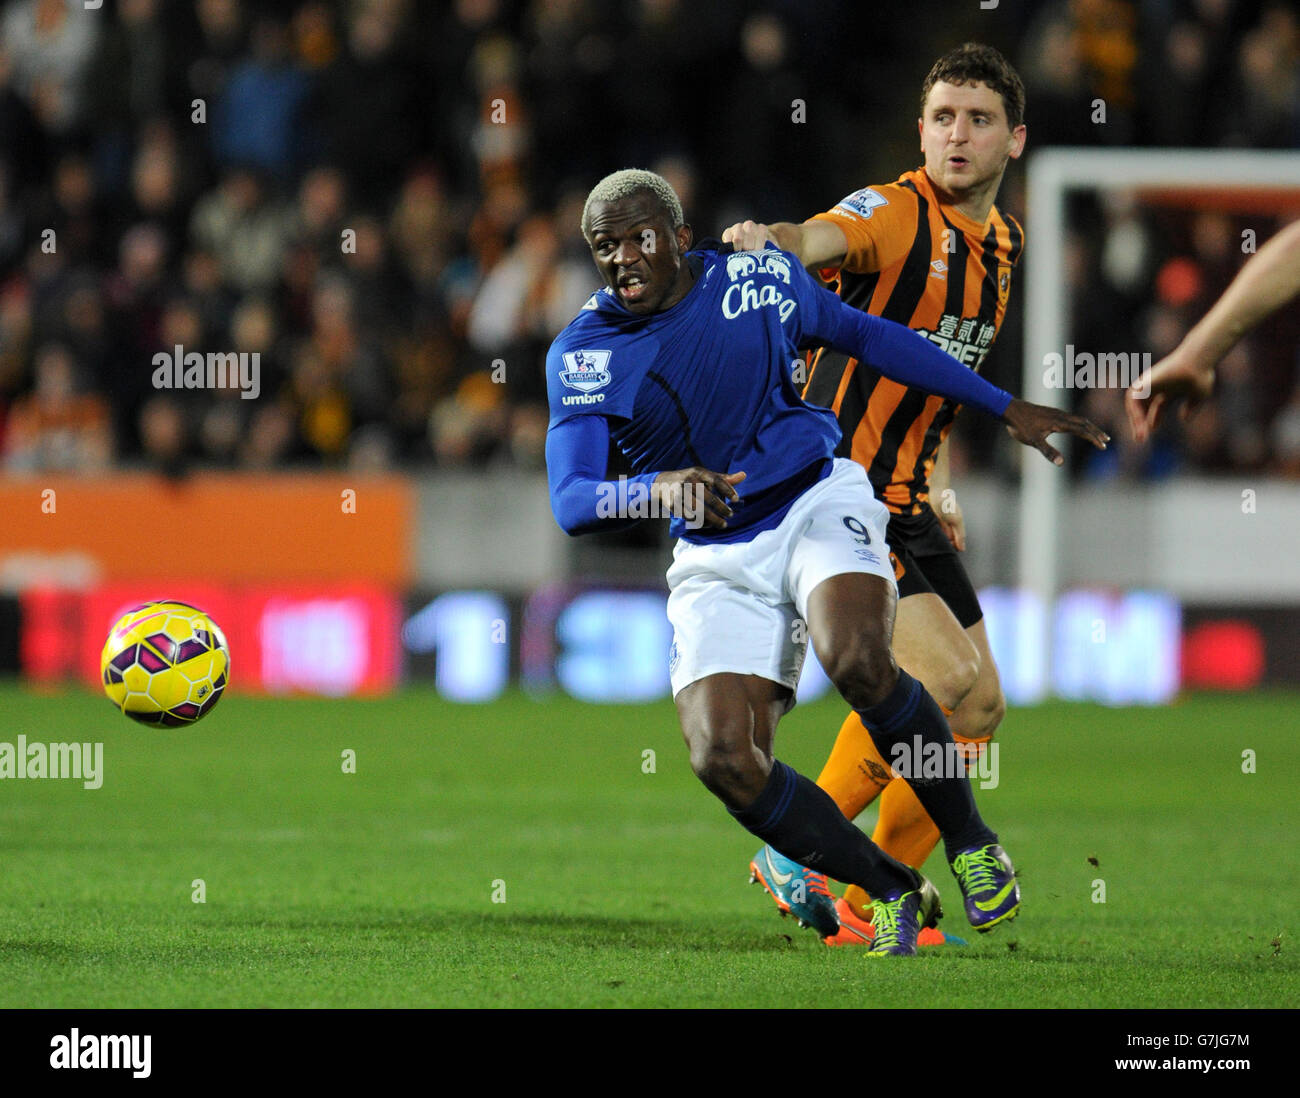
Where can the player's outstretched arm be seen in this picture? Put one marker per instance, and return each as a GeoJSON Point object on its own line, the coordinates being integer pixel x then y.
{"type": "Point", "coordinates": [816, 243]}
{"type": "Point", "coordinates": [1268, 281]}
{"type": "Point", "coordinates": [910, 359]}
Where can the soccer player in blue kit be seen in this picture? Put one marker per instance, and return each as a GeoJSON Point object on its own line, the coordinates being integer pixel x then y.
{"type": "Point", "coordinates": [685, 360]}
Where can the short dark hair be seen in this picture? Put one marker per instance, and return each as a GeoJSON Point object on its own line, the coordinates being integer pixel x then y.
{"type": "Point", "coordinates": [972, 63]}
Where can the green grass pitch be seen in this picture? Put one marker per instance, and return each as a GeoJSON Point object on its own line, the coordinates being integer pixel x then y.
{"type": "Point", "coordinates": [620, 887]}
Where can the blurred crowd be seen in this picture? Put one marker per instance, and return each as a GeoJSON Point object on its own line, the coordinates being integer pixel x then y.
{"type": "Point", "coordinates": [1139, 274]}
{"type": "Point", "coordinates": [380, 198]}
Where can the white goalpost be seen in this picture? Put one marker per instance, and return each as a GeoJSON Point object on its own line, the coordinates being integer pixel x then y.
{"type": "Point", "coordinates": [1052, 174]}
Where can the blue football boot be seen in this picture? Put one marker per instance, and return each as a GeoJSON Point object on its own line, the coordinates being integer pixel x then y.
{"type": "Point", "coordinates": [797, 890]}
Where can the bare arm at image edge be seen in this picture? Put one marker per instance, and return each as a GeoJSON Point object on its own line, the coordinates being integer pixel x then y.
{"type": "Point", "coordinates": [1268, 281]}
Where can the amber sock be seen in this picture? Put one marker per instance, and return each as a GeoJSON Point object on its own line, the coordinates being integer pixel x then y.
{"type": "Point", "coordinates": [855, 774]}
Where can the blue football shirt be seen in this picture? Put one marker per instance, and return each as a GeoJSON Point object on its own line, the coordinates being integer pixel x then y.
{"type": "Point", "coordinates": [708, 382]}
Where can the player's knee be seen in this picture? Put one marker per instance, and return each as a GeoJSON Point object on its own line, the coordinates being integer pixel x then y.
{"type": "Point", "coordinates": [733, 776]}
{"type": "Point", "coordinates": [997, 710]}
{"type": "Point", "coordinates": [992, 708]}
{"type": "Point", "coordinates": [863, 671]}
{"type": "Point", "coordinates": [953, 683]}
{"type": "Point", "coordinates": [980, 714]}
{"type": "Point", "coordinates": [724, 759]}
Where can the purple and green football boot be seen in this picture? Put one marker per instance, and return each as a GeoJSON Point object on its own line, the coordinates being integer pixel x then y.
{"type": "Point", "coordinates": [988, 882]}
{"type": "Point", "coordinates": [900, 919]}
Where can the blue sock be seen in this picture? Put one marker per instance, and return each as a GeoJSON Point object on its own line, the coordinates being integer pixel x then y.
{"type": "Point", "coordinates": [902, 727]}
{"type": "Point", "coordinates": [799, 819]}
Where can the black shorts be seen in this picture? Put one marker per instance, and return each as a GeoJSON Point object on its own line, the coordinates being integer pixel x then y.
{"type": "Point", "coordinates": [924, 560]}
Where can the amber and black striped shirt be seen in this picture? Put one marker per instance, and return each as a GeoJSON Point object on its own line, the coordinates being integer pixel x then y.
{"type": "Point", "coordinates": [919, 262]}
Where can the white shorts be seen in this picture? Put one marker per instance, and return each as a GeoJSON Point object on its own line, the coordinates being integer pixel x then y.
{"type": "Point", "coordinates": [734, 607]}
